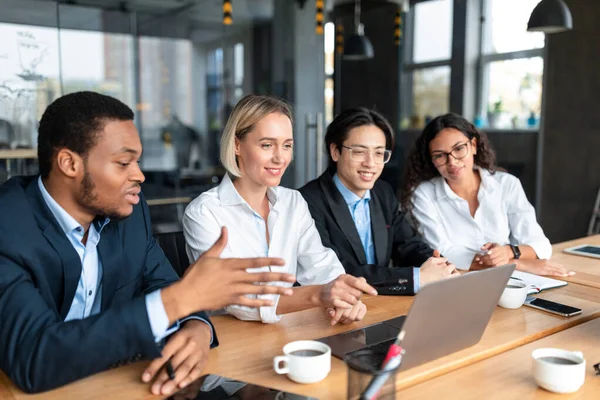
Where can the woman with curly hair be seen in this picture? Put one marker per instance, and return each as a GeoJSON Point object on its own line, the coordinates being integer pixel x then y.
{"type": "Point", "coordinates": [477, 216]}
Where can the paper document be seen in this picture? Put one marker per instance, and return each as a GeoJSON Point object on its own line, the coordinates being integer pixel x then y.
{"type": "Point", "coordinates": [540, 281]}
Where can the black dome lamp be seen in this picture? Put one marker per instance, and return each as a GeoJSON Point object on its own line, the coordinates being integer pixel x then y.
{"type": "Point", "coordinates": [550, 16]}
{"type": "Point", "coordinates": [358, 47]}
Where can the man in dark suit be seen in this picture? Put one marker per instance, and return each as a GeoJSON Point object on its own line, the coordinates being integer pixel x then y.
{"type": "Point", "coordinates": [83, 284]}
{"type": "Point", "coordinates": [358, 216]}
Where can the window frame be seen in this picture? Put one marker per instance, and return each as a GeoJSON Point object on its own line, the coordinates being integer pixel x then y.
{"type": "Point", "coordinates": [469, 62]}
{"type": "Point", "coordinates": [409, 67]}
{"type": "Point", "coordinates": [485, 60]}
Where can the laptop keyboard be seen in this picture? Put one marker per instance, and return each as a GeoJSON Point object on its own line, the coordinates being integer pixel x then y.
{"type": "Point", "coordinates": [371, 357]}
{"type": "Point", "coordinates": [382, 347]}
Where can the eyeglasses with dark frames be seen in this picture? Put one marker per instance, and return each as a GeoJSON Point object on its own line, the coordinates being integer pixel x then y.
{"type": "Point", "coordinates": [440, 158]}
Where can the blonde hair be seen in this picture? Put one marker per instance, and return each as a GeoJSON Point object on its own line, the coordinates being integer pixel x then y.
{"type": "Point", "coordinates": [246, 113]}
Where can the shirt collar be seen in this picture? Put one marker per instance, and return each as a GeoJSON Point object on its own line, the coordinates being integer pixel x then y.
{"type": "Point", "coordinates": [488, 184]}
{"type": "Point", "coordinates": [67, 223]}
{"type": "Point", "coordinates": [229, 196]}
{"type": "Point", "coordinates": [349, 196]}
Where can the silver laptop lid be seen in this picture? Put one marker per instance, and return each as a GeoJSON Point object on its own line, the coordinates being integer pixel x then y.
{"type": "Point", "coordinates": [451, 314]}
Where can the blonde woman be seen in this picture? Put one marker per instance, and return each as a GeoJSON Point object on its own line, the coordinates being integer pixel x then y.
{"type": "Point", "coordinates": [265, 219]}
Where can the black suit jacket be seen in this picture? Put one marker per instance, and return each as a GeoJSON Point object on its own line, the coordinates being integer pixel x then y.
{"type": "Point", "coordinates": [39, 273]}
{"type": "Point", "coordinates": [394, 238]}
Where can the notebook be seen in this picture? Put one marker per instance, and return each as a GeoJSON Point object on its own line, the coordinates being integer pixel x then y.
{"type": "Point", "coordinates": [541, 282]}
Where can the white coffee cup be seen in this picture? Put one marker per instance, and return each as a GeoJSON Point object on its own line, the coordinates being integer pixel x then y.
{"type": "Point", "coordinates": [305, 361]}
{"type": "Point", "coordinates": [552, 374]}
{"type": "Point", "coordinates": [515, 293]}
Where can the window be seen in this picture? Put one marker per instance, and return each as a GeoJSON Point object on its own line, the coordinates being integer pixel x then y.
{"type": "Point", "coordinates": [427, 62]}
{"type": "Point", "coordinates": [98, 61]}
{"type": "Point", "coordinates": [238, 71]}
{"type": "Point", "coordinates": [431, 91]}
{"type": "Point", "coordinates": [329, 38]}
{"type": "Point", "coordinates": [166, 99]}
{"type": "Point", "coordinates": [511, 66]}
{"type": "Point", "coordinates": [214, 82]}
{"type": "Point", "coordinates": [29, 81]}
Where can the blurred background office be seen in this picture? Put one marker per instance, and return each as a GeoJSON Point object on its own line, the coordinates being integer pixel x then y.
{"type": "Point", "coordinates": [183, 64]}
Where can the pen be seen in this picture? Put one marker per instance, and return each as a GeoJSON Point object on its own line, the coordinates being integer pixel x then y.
{"type": "Point", "coordinates": [169, 368]}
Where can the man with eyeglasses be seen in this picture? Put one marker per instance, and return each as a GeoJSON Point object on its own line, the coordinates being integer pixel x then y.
{"type": "Point", "coordinates": [358, 216]}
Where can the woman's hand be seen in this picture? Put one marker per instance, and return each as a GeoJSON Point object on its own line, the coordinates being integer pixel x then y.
{"type": "Point", "coordinates": [543, 267]}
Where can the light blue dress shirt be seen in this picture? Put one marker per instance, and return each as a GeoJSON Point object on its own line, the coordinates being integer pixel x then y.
{"type": "Point", "coordinates": [361, 215]}
{"type": "Point", "coordinates": [88, 296]}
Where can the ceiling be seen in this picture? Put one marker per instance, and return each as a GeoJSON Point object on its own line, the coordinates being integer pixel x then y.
{"type": "Point", "coordinates": [168, 18]}
{"type": "Point", "coordinates": [198, 10]}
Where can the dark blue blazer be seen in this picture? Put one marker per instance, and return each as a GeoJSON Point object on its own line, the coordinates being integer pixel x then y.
{"type": "Point", "coordinates": [39, 273]}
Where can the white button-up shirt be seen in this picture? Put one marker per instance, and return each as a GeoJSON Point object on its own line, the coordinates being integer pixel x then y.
{"type": "Point", "coordinates": [292, 233]}
{"type": "Point", "coordinates": [504, 216]}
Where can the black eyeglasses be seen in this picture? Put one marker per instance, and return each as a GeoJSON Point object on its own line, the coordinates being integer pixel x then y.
{"type": "Point", "coordinates": [440, 158]}
{"type": "Point", "coordinates": [360, 154]}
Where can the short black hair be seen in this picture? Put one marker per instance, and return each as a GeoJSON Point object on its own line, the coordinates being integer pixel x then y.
{"type": "Point", "coordinates": [74, 121]}
{"type": "Point", "coordinates": [337, 131]}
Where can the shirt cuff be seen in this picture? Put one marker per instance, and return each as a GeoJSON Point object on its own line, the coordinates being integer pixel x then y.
{"type": "Point", "coordinates": [268, 315]}
{"type": "Point", "coordinates": [159, 321]}
{"type": "Point", "coordinates": [212, 333]}
{"type": "Point", "coordinates": [416, 280]}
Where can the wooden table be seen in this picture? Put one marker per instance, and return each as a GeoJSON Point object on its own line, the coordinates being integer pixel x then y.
{"type": "Point", "coordinates": [509, 375]}
{"type": "Point", "coordinates": [168, 201]}
{"type": "Point", "coordinates": [18, 153]}
{"type": "Point", "coordinates": [247, 348]}
{"type": "Point", "coordinates": [587, 268]}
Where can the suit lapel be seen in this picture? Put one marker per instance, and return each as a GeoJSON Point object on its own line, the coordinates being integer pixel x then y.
{"type": "Point", "coordinates": [110, 254]}
{"type": "Point", "coordinates": [378, 228]}
{"type": "Point", "coordinates": [71, 263]}
{"type": "Point", "coordinates": [342, 216]}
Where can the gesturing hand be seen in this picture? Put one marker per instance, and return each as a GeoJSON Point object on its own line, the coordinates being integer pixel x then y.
{"type": "Point", "coordinates": [212, 283]}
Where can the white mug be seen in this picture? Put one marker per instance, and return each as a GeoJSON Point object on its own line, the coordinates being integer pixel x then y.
{"type": "Point", "coordinates": [556, 376]}
{"type": "Point", "coordinates": [302, 367]}
{"type": "Point", "coordinates": [515, 293]}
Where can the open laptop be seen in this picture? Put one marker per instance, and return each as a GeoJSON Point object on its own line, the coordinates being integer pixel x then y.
{"type": "Point", "coordinates": [446, 316]}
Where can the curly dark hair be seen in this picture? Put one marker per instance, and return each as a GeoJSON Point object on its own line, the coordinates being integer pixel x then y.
{"type": "Point", "coordinates": [337, 131]}
{"type": "Point", "coordinates": [74, 121]}
{"type": "Point", "coordinates": [420, 168]}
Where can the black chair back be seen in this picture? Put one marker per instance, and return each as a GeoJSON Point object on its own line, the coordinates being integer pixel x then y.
{"type": "Point", "coordinates": [170, 238]}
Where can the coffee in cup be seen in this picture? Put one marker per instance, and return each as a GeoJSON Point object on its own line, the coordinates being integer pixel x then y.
{"type": "Point", "coordinates": [515, 293]}
{"type": "Point", "coordinates": [557, 370]}
{"type": "Point", "coordinates": [304, 361]}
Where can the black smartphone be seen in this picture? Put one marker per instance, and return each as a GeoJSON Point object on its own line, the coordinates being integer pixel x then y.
{"type": "Point", "coordinates": [552, 307]}
{"type": "Point", "coordinates": [215, 387]}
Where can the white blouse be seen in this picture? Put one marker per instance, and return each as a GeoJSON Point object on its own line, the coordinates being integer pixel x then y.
{"type": "Point", "coordinates": [292, 232]}
{"type": "Point", "coordinates": [504, 216]}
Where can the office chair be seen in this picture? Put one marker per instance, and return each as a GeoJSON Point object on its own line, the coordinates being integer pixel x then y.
{"type": "Point", "coordinates": [170, 238]}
